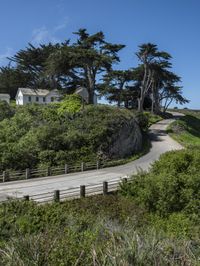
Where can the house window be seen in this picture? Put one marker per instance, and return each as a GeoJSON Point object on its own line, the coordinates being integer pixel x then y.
{"type": "Point", "coordinates": [44, 99]}
{"type": "Point", "coordinates": [52, 99]}
{"type": "Point", "coordinates": [37, 99]}
{"type": "Point", "coordinates": [29, 98]}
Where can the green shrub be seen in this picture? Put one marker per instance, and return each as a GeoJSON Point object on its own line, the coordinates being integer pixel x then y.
{"type": "Point", "coordinates": [70, 105]}
{"type": "Point", "coordinates": [143, 120]}
{"type": "Point", "coordinates": [5, 110]}
{"type": "Point", "coordinates": [172, 185]}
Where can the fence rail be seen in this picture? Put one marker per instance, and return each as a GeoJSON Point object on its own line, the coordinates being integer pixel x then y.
{"type": "Point", "coordinates": [74, 193]}
{"type": "Point", "coordinates": [28, 173]}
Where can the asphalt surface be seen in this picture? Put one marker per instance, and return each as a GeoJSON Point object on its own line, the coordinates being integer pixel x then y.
{"type": "Point", "coordinates": [161, 142]}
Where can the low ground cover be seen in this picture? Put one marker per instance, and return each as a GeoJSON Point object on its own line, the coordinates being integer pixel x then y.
{"type": "Point", "coordinates": [153, 220]}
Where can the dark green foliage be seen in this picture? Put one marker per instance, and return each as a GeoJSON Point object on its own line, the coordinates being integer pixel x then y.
{"type": "Point", "coordinates": [172, 185]}
{"type": "Point", "coordinates": [11, 79]}
{"type": "Point", "coordinates": [6, 111]}
{"type": "Point", "coordinates": [143, 120]}
{"type": "Point", "coordinates": [31, 62]}
{"type": "Point", "coordinates": [53, 135]}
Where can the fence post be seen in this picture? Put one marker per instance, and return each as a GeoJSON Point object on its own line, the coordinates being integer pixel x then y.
{"type": "Point", "coordinates": [56, 197]}
{"type": "Point", "coordinates": [49, 171]}
{"type": "Point", "coordinates": [5, 176]}
{"type": "Point", "coordinates": [26, 198]}
{"type": "Point", "coordinates": [98, 165]}
{"type": "Point", "coordinates": [66, 169]}
{"type": "Point", "coordinates": [82, 166]}
{"type": "Point", "coordinates": [105, 188]}
{"type": "Point", "coordinates": [27, 173]}
{"type": "Point", "coordinates": [82, 191]}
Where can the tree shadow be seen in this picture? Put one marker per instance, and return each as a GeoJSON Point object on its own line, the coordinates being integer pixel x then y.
{"type": "Point", "coordinates": [156, 136]}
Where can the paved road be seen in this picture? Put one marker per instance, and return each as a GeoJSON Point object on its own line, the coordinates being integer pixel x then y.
{"type": "Point", "coordinates": [161, 142]}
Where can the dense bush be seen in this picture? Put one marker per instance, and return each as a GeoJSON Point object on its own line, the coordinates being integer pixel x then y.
{"type": "Point", "coordinates": [58, 133]}
{"type": "Point", "coordinates": [70, 105]}
{"type": "Point", "coordinates": [172, 185]}
{"type": "Point", "coordinates": [5, 110]}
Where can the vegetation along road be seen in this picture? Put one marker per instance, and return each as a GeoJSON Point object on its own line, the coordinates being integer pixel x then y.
{"type": "Point", "coordinates": [161, 142]}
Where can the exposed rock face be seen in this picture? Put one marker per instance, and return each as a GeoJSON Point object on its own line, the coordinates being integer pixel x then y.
{"type": "Point", "coordinates": [127, 141]}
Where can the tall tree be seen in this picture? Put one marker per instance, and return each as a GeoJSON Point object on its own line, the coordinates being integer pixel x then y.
{"type": "Point", "coordinates": [172, 93]}
{"type": "Point", "coordinates": [114, 85]}
{"type": "Point", "coordinates": [148, 54]}
{"type": "Point", "coordinates": [61, 65]}
{"type": "Point", "coordinates": [11, 79]}
{"type": "Point", "coordinates": [83, 62]}
{"type": "Point", "coordinates": [32, 61]}
{"type": "Point", "coordinates": [93, 57]}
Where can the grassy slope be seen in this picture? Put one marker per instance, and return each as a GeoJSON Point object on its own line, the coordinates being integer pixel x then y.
{"type": "Point", "coordinates": [186, 130]}
{"type": "Point", "coordinates": [111, 230]}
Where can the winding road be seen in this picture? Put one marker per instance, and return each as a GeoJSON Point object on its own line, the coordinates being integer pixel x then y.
{"type": "Point", "coordinates": [161, 142]}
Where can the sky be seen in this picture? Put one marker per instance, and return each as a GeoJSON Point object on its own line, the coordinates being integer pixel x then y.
{"type": "Point", "coordinates": [174, 25]}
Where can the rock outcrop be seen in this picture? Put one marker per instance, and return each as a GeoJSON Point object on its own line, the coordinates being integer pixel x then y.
{"type": "Point", "coordinates": [127, 141]}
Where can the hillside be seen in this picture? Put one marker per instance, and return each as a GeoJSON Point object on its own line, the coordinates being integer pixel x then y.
{"type": "Point", "coordinates": [35, 136]}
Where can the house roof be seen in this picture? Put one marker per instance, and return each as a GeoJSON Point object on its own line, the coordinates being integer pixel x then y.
{"type": "Point", "coordinates": [4, 95]}
{"type": "Point", "coordinates": [80, 89]}
{"type": "Point", "coordinates": [34, 92]}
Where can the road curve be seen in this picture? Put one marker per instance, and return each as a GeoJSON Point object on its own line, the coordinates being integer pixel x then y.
{"type": "Point", "coordinates": [161, 142]}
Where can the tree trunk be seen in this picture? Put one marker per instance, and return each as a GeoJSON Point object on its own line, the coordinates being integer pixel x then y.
{"type": "Point", "coordinates": [118, 103]}
{"type": "Point", "coordinates": [126, 104]}
{"type": "Point", "coordinates": [141, 103]}
{"type": "Point", "coordinates": [91, 96]}
{"type": "Point", "coordinates": [90, 86]}
{"type": "Point", "coordinates": [157, 103]}
{"type": "Point", "coordinates": [152, 101]}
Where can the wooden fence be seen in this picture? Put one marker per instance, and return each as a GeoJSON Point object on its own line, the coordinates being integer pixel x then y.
{"type": "Point", "coordinates": [50, 171]}
{"type": "Point", "coordinates": [73, 193]}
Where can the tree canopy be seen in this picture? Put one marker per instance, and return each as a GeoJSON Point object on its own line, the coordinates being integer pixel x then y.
{"type": "Point", "coordinates": [90, 62]}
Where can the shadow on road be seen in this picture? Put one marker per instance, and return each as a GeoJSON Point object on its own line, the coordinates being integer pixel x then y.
{"type": "Point", "coordinates": [155, 135]}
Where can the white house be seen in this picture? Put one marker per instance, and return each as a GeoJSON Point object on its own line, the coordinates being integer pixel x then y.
{"type": "Point", "coordinates": [5, 97]}
{"type": "Point", "coordinates": [27, 95]}
{"type": "Point", "coordinates": [83, 92]}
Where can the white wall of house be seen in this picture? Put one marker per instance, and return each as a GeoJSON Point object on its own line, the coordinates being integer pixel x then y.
{"type": "Point", "coordinates": [21, 99]}
{"type": "Point", "coordinates": [53, 96]}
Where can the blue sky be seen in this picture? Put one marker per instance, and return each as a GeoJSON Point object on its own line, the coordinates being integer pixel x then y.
{"type": "Point", "coordinates": [171, 24]}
